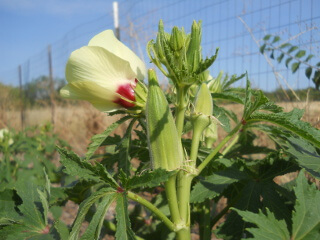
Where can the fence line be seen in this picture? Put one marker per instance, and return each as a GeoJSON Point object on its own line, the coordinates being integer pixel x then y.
{"type": "Point", "coordinates": [40, 77]}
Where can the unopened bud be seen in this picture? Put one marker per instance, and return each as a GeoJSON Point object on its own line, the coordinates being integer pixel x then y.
{"type": "Point", "coordinates": [215, 85]}
{"type": "Point", "coordinates": [203, 108]}
{"type": "Point", "coordinates": [194, 49]}
{"type": "Point", "coordinates": [176, 39]}
{"type": "Point", "coordinates": [210, 134]}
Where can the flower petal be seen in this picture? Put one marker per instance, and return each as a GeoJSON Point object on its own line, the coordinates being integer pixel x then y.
{"type": "Point", "coordinates": [100, 97]}
{"type": "Point", "coordinates": [98, 65]}
{"type": "Point", "coordinates": [108, 41]}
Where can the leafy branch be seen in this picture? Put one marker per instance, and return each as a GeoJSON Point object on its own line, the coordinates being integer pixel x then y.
{"type": "Point", "coordinates": [292, 53]}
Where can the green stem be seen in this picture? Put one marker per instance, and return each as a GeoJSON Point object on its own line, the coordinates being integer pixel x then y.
{"type": "Point", "coordinates": [152, 208]}
{"type": "Point", "coordinates": [184, 187]}
{"type": "Point", "coordinates": [183, 234]}
{"type": "Point", "coordinates": [171, 194]}
{"type": "Point", "coordinates": [195, 146]}
{"type": "Point", "coordinates": [233, 142]}
{"type": "Point", "coordinates": [205, 229]}
{"type": "Point", "coordinates": [218, 148]}
{"type": "Point", "coordinates": [8, 164]}
{"type": "Point", "coordinates": [181, 108]}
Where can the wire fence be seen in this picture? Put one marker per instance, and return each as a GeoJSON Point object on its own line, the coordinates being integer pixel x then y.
{"type": "Point", "coordinates": [236, 27]}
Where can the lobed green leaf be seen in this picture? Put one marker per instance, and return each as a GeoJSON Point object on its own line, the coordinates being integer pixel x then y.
{"type": "Point", "coordinates": [97, 140]}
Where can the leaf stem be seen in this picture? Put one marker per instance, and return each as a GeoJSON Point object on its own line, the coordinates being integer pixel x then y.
{"type": "Point", "coordinates": [218, 148]}
{"type": "Point", "coordinates": [233, 142]}
{"type": "Point", "coordinates": [152, 208]}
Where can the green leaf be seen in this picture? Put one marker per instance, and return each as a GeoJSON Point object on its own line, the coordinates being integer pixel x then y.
{"type": "Point", "coordinates": [45, 205]}
{"type": "Point", "coordinates": [32, 216]}
{"type": "Point", "coordinates": [308, 72]}
{"type": "Point", "coordinates": [279, 59]}
{"type": "Point", "coordinates": [234, 78]}
{"type": "Point", "coordinates": [267, 37]}
{"type": "Point", "coordinates": [293, 48]}
{"type": "Point", "coordinates": [305, 154]}
{"type": "Point", "coordinates": [213, 185]}
{"type": "Point", "coordinates": [276, 39]}
{"type": "Point", "coordinates": [149, 179]}
{"type": "Point", "coordinates": [262, 48]}
{"type": "Point", "coordinates": [84, 208]}
{"type": "Point", "coordinates": [62, 229]}
{"type": "Point", "coordinates": [316, 79]}
{"type": "Point", "coordinates": [124, 231]}
{"type": "Point", "coordinates": [290, 121]}
{"type": "Point", "coordinates": [284, 45]}
{"type": "Point", "coordinates": [229, 96]}
{"type": "Point", "coordinates": [8, 200]}
{"type": "Point", "coordinates": [272, 54]}
{"type": "Point", "coordinates": [309, 57]}
{"type": "Point", "coordinates": [295, 67]}
{"type": "Point", "coordinates": [288, 61]}
{"type": "Point", "coordinates": [222, 115]}
{"type": "Point", "coordinates": [97, 140]}
{"type": "Point", "coordinates": [256, 100]}
{"type": "Point", "coordinates": [268, 226]}
{"type": "Point", "coordinates": [124, 150]}
{"type": "Point", "coordinates": [306, 215]}
{"type": "Point", "coordinates": [300, 53]}
{"type": "Point", "coordinates": [94, 229]}
{"type": "Point", "coordinates": [77, 167]}
{"type": "Point", "coordinates": [247, 199]}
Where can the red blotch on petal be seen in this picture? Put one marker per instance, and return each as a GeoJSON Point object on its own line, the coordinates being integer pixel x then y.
{"type": "Point", "coordinates": [126, 91]}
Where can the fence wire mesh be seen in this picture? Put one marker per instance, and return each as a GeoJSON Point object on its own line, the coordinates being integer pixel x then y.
{"type": "Point", "coordinates": [236, 27]}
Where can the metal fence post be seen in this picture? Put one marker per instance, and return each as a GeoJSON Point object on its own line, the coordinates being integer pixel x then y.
{"type": "Point", "coordinates": [116, 19]}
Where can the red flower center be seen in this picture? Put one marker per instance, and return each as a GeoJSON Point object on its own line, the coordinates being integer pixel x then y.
{"type": "Point", "coordinates": [126, 91]}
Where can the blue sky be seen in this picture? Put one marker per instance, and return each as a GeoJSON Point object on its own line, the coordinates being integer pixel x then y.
{"type": "Point", "coordinates": [28, 26]}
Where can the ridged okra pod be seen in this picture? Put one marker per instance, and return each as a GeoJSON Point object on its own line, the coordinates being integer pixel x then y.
{"type": "Point", "coordinates": [164, 144]}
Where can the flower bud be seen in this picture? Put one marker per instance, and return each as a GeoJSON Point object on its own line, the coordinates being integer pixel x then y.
{"type": "Point", "coordinates": [194, 50]}
{"type": "Point", "coordinates": [6, 137]}
{"type": "Point", "coordinates": [176, 39]}
{"type": "Point", "coordinates": [163, 140]}
{"type": "Point", "coordinates": [210, 134]}
{"type": "Point", "coordinates": [215, 85]}
{"type": "Point", "coordinates": [203, 107]}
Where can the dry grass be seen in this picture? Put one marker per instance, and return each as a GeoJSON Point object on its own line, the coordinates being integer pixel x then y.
{"type": "Point", "coordinates": [74, 124]}
{"type": "Point", "coordinates": [77, 124]}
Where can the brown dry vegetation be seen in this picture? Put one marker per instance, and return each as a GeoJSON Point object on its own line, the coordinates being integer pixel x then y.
{"type": "Point", "coordinates": [77, 124]}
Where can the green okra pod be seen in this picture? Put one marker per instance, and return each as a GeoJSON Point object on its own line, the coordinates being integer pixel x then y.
{"type": "Point", "coordinates": [164, 143]}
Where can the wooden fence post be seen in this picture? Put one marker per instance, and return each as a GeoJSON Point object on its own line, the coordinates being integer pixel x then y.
{"type": "Point", "coordinates": [52, 90]}
{"type": "Point", "coordinates": [21, 98]}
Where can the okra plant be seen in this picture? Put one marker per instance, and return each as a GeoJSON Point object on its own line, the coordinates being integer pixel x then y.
{"type": "Point", "coordinates": [170, 174]}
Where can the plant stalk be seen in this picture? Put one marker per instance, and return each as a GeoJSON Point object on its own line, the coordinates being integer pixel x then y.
{"type": "Point", "coordinates": [152, 208]}
{"type": "Point", "coordinates": [218, 148]}
{"type": "Point", "coordinates": [181, 108]}
{"type": "Point", "coordinates": [8, 164]}
{"type": "Point", "coordinates": [170, 187]}
{"type": "Point", "coordinates": [205, 229]}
